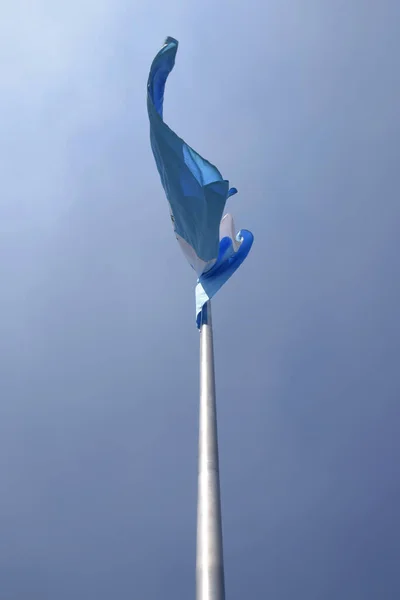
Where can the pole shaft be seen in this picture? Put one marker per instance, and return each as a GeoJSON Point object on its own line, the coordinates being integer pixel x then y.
{"type": "Point", "coordinates": [209, 563]}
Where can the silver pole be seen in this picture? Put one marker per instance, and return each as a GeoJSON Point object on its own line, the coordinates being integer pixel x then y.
{"type": "Point", "coordinates": [209, 563]}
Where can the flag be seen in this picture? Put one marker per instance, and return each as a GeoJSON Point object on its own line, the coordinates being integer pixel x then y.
{"type": "Point", "coordinates": [196, 192]}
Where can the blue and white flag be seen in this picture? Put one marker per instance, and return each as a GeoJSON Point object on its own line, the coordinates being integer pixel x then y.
{"type": "Point", "coordinates": [196, 193]}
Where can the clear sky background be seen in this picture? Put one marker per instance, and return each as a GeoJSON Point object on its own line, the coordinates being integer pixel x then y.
{"type": "Point", "coordinates": [297, 103]}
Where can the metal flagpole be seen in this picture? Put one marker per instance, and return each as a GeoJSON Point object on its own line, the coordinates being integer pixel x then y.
{"type": "Point", "coordinates": [209, 561]}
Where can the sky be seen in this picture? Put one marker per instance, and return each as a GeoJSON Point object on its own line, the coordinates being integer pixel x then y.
{"type": "Point", "coordinates": [297, 103]}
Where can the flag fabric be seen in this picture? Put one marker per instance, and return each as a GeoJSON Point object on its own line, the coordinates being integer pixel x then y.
{"type": "Point", "coordinates": [196, 192]}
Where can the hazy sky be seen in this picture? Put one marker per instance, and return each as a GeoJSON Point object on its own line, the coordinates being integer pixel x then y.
{"type": "Point", "coordinates": [297, 103]}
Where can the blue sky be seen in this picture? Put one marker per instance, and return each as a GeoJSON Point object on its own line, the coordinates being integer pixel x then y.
{"type": "Point", "coordinates": [297, 104]}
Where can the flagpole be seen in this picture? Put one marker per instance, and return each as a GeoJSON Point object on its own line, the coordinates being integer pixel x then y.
{"type": "Point", "coordinates": [209, 560]}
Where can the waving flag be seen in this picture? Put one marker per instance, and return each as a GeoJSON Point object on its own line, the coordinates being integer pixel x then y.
{"type": "Point", "coordinates": [196, 192]}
